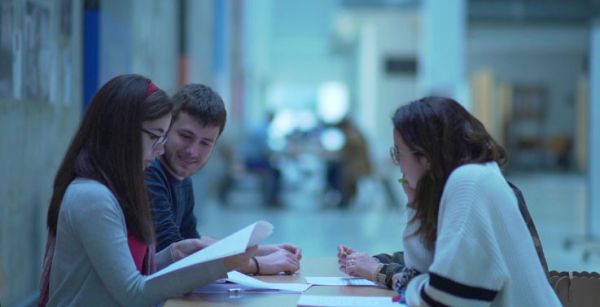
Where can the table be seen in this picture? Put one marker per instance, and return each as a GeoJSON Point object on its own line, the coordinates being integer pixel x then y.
{"type": "Point", "coordinates": [326, 266]}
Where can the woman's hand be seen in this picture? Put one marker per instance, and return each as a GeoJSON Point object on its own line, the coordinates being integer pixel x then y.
{"type": "Point", "coordinates": [343, 252]}
{"type": "Point", "coordinates": [295, 250]}
{"type": "Point", "coordinates": [264, 250]}
{"type": "Point", "coordinates": [360, 264]}
{"type": "Point", "coordinates": [236, 261]}
{"type": "Point", "coordinates": [282, 260]}
{"type": "Point", "coordinates": [185, 248]}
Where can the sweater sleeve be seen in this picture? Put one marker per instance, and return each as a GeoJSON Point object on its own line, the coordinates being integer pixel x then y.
{"type": "Point", "coordinates": [100, 226]}
{"type": "Point", "coordinates": [466, 269]}
{"type": "Point", "coordinates": [392, 264]}
{"type": "Point", "coordinates": [165, 227]}
{"type": "Point", "coordinates": [397, 257]}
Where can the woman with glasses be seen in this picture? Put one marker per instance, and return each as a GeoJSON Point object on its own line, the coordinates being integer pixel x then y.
{"type": "Point", "coordinates": [467, 241]}
{"type": "Point", "coordinates": [100, 247]}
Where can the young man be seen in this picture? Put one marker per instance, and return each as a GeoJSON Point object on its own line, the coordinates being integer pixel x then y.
{"type": "Point", "coordinates": [198, 121]}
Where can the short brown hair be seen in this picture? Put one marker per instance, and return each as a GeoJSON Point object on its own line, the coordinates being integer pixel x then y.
{"type": "Point", "coordinates": [202, 103]}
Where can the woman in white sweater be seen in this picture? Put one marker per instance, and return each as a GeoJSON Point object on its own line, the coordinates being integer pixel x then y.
{"type": "Point", "coordinates": [467, 214]}
{"type": "Point", "coordinates": [100, 247]}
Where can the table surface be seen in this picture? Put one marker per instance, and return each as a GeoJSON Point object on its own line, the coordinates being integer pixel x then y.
{"type": "Point", "coordinates": [309, 267]}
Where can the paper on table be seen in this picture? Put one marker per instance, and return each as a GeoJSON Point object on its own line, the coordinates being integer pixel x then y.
{"type": "Point", "coordinates": [347, 301]}
{"type": "Point", "coordinates": [233, 289]}
{"type": "Point", "coordinates": [246, 280]}
{"type": "Point", "coordinates": [339, 281]}
{"type": "Point", "coordinates": [233, 244]}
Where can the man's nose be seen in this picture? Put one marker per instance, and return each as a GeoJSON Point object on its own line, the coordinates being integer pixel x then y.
{"type": "Point", "coordinates": [192, 150]}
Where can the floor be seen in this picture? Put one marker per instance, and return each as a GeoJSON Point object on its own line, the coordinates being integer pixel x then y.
{"type": "Point", "coordinates": [556, 203]}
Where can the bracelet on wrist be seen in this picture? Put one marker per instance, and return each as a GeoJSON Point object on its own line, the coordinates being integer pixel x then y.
{"type": "Point", "coordinates": [257, 266]}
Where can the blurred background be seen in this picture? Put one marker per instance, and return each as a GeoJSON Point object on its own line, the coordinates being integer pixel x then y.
{"type": "Point", "coordinates": [310, 87]}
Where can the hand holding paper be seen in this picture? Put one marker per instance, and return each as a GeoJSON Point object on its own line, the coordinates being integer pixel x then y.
{"type": "Point", "coordinates": [237, 261]}
{"type": "Point", "coordinates": [234, 244]}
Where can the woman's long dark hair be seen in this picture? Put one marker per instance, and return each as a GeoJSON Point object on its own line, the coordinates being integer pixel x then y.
{"type": "Point", "coordinates": [443, 132]}
{"type": "Point", "coordinates": [107, 147]}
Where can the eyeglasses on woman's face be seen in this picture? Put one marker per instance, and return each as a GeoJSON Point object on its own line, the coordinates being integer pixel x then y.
{"type": "Point", "coordinates": [396, 155]}
{"type": "Point", "coordinates": [156, 139]}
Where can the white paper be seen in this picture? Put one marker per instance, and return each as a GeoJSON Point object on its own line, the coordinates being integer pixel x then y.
{"type": "Point", "coordinates": [234, 244]}
{"type": "Point", "coordinates": [234, 289]}
{"type": "Point", "coordinates": [339, 281]}
{"type": "Point", "coordinates": [245, 280]}
{"type": "Point", "coordinates": [347, 301]}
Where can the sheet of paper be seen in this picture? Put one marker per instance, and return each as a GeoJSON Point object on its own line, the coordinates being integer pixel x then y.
{"type": "Point", "coordinates": [339, 281]}
{"type": "Point", "coordinates": [233, 244]}
{"type": "Point", "coordinates": [245, 280]}
{"type": "Point", "coordinates": [347, 301]}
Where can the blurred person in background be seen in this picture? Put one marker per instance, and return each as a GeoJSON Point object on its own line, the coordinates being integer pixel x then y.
{"type": "Point", "coordinates": [100, 247]}
{"type": "Point", "coordinates": [198, 121]}
{"type": "Point", "coordinates": [351, 163]}
{"type": "Point", "coordinates": [465, 239]}
{"type": "Point", "coordinates": [258, 159]}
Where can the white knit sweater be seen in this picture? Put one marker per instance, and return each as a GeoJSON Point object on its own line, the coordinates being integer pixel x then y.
{"type": "Point", "coordinates": [484, 255]}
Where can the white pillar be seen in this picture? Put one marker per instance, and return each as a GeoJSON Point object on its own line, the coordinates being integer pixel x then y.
{"type": "Point", "coordinates": [200, 17]}
{"type": "Point", "coordinates": [593, 212]}
{"type": "Point", "coordinates": [367, 79]}
{"type": "Point", "coordinates": [222, 50]}
{"type": "Point", "coordinates": [442, 68]}
{"type": "Point", "coordinates": [258, 18]}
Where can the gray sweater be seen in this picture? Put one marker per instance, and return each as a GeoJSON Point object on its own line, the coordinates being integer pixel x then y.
{"type": "Point", "coordinates": [92, 264]}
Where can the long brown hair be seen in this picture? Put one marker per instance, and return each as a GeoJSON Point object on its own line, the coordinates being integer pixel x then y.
{"type": "Point", "coordinates": [107, 147]}
{"type": "Point", "coordinates": [443, 132]}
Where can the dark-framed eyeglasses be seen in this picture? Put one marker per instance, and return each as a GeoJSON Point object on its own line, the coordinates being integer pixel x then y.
{"type": "Point", "coordinates": [158, 139]}
{"type": "Point", "coordinates": [395, 155]}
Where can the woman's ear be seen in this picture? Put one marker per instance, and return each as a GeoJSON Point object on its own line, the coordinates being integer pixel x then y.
{"type": "Point", "coordinates": [424, 162]}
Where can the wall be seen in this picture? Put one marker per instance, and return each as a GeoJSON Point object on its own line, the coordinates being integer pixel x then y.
{"type": "Point", "coordinates": [138, 36]}
{"type": "Point", "coordinates": [38, 120]}
{"type": "Point", "coordinates": [35, 128]}
{"type": "Point", "coordinates": [553, 56]}
{"type": "Point", "coordinates": [383, 34]}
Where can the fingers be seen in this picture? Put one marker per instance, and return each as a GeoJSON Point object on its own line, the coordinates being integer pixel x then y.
{"type": "Point", "coordinates": [288, 247]}
{"type": "Point", "coordinates": [280, 261]}
{"type": "Point", "coordinates": [351, 267]}
{"type": "Point", "coordinates": [291, 266]}
{"type": "Point", "coordinates": [295, 250]}
{"type": "Point", "coordinates": [184, 248]}
{"type": "Point", "coordinates": [344, 251]}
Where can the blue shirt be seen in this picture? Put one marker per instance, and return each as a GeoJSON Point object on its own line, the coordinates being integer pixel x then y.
{"type": "Point", "coordinates": [171, 204]}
